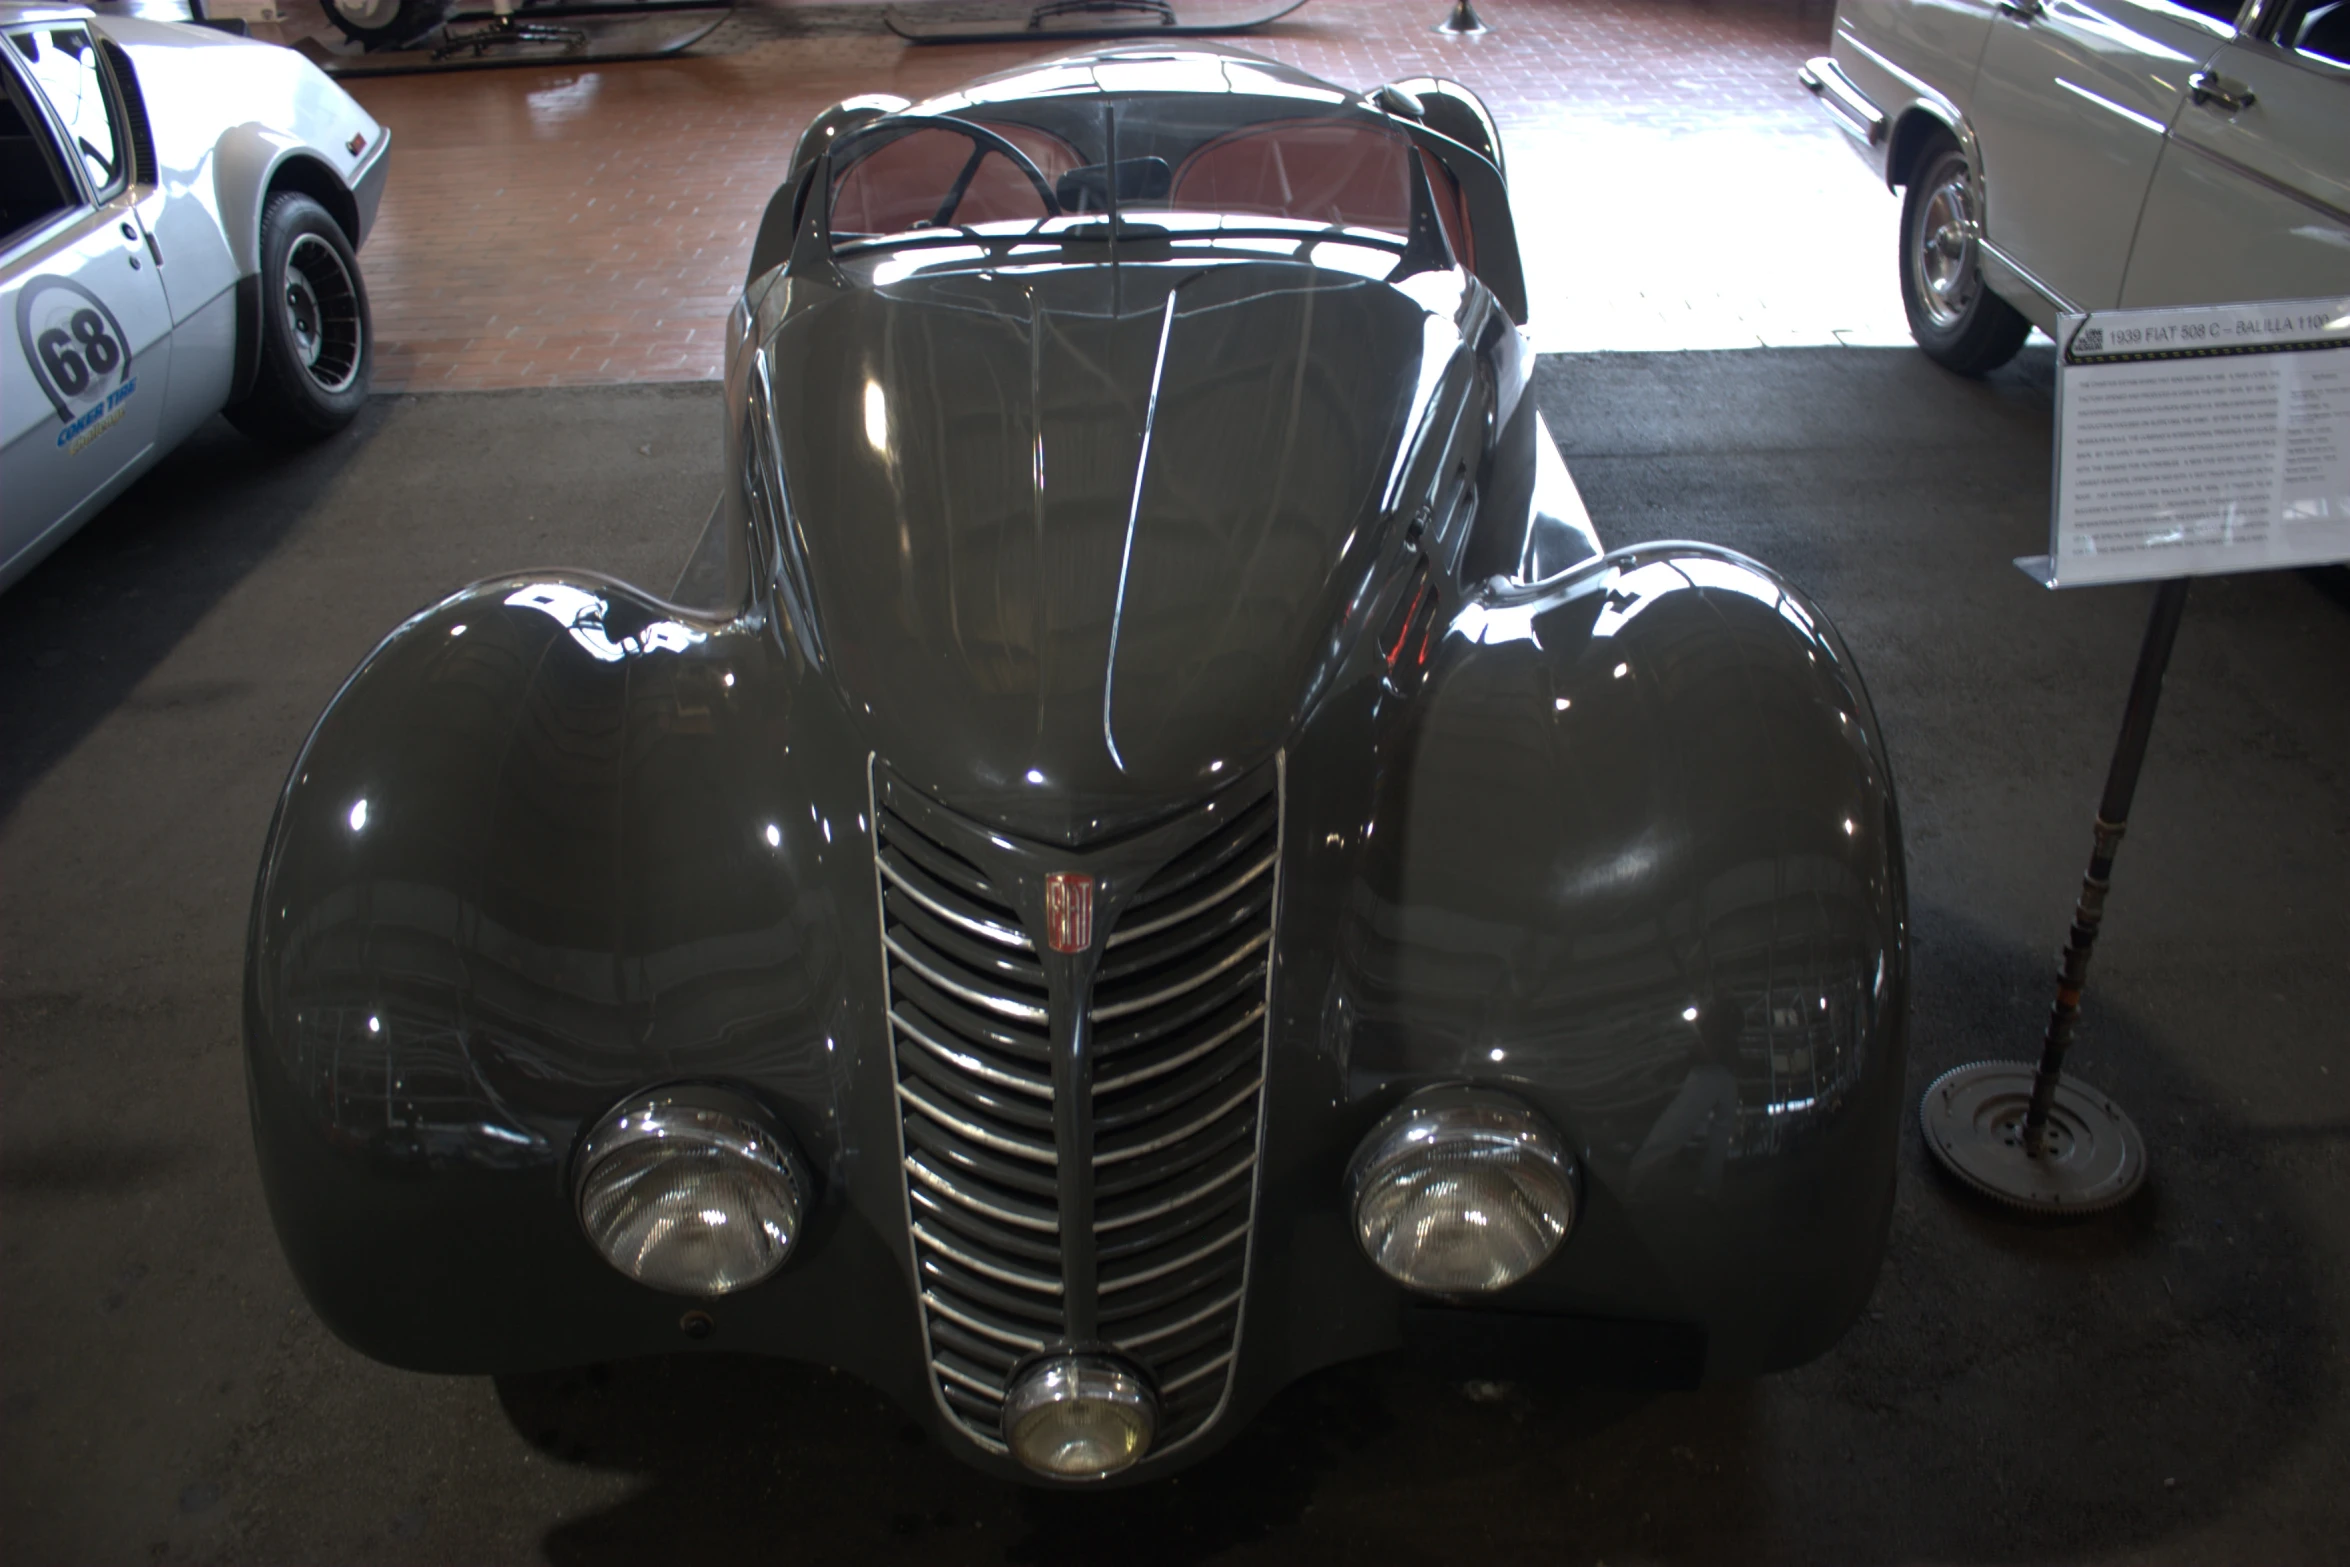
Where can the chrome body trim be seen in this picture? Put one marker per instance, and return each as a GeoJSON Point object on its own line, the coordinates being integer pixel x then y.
{"type": "Point", "coordinates": [994, 1270]}
{"type": "Point", "coordinates": [977, 927]}
{"type": "Point", "coordinates": [1144, 1074]}
{"type": "Point", "coordinates": [921, 1171]}
{"type": "Point", "coordinates": [1256, 1158]}
{"type": "Point", "coordinates": [1846, 104]}
{"type": "Point", "coordinates": [1170, 1204]}
{"type": "Point", "coordinates": [980, 1326]}
{"type": "Point", "coordinates": [2019, 287]}
{"type": "Point", "coordinates": [2274, 186]}
{"type": "Point", "coordinates": [1112, 1286]}
{"type": "Point", "coordinates": [1197, 1372]}
{"type": "Point", "coordinates": [1183, 987]}
{"type": "Point", "coordinates": [1208, 901]}
{"type": "Point", "coordinates": [1017, 1011]}
{"type": "Point", "coordinates": [1041, 1088]}
{"type": "Point", "coordinates": [1188, 1129]}
{"type": "Point", "coordinates": [1142, 468]}
{"type": "Point", "coordinates": [1041, 1153]}
{"type": "Point", "coordinates": [979, 1385]}
{"type": "Point", "coordinates": [906, 1161]}
{"type": "Point", "coordinates": [1166, 1330]}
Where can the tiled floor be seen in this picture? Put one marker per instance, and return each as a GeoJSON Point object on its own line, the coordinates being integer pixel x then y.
{"type": "Point", "coordinates": [1675, 188]}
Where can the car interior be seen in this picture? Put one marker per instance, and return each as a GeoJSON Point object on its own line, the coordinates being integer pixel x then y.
{"type": "Point", "coordinates": [1338, 171]}
{"type": "Point", "coordinates": [31, 191]}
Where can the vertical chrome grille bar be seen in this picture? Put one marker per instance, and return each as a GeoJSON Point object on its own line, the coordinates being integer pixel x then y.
{"type": "Point", "coordinates": [987, 1260]}
{"type": "Point", "coordinates": [1178, 1097]}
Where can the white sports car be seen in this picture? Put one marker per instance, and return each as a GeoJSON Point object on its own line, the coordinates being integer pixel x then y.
{"type": "Point", "coordinates": [180, 213]}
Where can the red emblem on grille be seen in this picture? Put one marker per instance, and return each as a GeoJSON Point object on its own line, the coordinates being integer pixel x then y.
{"type": "Point", "coordinates": [1068, 911]}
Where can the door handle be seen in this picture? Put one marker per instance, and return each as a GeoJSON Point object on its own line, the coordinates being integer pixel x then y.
{"type": "Point", "coordinates": [2021, 10]}
{"type": "Point", "coordinates": [2213, 90]}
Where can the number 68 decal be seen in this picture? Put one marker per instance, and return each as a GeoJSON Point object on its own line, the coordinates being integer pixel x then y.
{"type": "Point", "coordinates": [75, 346]}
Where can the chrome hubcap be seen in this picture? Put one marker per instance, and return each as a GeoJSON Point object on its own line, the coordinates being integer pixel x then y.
{"type": "Point", "coordinates": [1944, 257]}
{"type": "Point", "coordinates": [368, 13]}
{"type": "Point", "coordinates": [322, 313]}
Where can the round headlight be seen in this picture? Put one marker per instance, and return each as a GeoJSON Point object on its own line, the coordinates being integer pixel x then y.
{"type": "Point", "coordinates": [1462, 1190]}
{"type": "Point", "coordinates": [690, 1191]}
{"type": "Point", "coordinates": [1077, 1417]}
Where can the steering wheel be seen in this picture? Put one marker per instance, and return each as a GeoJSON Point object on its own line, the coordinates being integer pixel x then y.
{"type": "Point", "coordinates": [984, 141]}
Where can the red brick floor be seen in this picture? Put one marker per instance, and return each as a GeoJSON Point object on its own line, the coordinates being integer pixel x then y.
{"type": "Point", "coordinates": [586, 225]}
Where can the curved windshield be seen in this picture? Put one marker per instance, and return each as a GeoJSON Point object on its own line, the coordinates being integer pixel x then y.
{"type": "Point", "coordinates": [1221, 155]}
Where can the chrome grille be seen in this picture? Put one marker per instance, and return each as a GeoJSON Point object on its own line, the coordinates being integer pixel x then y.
{"type": "Point", "coordinates": [1175, 1011]}
{"type": "Point", "coordinates": [969, 1012]}
{"type": "Point", "coordinates": [1178, 1011]}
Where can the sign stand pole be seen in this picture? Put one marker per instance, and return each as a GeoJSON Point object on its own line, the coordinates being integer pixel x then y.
{"type": "Point", "coordinates": [2024, 1135]}
{"type": "Point", "coordinates": [1464, 22]}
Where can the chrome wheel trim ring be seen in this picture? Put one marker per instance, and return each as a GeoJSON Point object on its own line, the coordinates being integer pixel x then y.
{"type": "Point", "coordinates": [321, 302]}
{"type": "Point", "coordinates": [1942, 253]}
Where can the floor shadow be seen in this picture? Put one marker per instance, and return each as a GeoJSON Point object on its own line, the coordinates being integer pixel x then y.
{"type": "Point", "coordinates": [749, 1455]}
{"type": "Point", "coordinates": [89, 623]}
{"type": "Point", "coordinates": [2032, 1390]}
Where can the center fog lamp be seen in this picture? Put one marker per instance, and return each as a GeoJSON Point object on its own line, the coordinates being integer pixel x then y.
{"type": "Point", "coordinates": [1078, 1417]}
{"type": "Point", "coordinates": [691, 1191]}
{"type": "Point", "coordinates": [1462, 1190]}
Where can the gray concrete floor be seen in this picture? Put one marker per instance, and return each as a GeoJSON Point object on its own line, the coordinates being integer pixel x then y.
{"type": "Point", "coordinates": [2167, 1383]}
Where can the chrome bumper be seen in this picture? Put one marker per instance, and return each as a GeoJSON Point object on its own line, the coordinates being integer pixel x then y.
{"type": "Point", "coordinates": [1846, 104]}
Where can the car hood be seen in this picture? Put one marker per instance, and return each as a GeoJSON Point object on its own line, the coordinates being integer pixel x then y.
{"type": "Point", "coordinates": [1081, 544]}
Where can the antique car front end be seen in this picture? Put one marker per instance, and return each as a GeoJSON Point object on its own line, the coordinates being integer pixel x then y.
{"type": "Point", "coordinates": [1174, 862]}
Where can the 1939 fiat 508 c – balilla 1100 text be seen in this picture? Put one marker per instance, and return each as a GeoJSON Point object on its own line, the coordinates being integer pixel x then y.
{"type": "Point", "coordinates": [1169, 857]}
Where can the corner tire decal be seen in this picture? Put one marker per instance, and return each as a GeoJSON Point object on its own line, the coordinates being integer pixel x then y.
{"type": "Point", "coordinates": [77, 350]}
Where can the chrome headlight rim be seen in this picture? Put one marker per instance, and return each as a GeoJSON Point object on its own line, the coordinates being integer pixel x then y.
{"type": "Point", "coordinates": [1487, 1124]}
{"type": "Point", "coordinates": [1063, 1377]}
{"type": "Point", "coordinates": [708, 1117]}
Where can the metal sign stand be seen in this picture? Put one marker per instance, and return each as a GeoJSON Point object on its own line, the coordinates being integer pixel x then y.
{"type": "Point", "coordinates": [2023, 1134]}
{"type": "Point", "coordinates": [1463, 22]}
{"type": "Point", "coordinates": [2190, 440]}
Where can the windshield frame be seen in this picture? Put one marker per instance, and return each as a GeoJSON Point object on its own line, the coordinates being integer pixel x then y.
{"type": "Point", "coordinates": [1068, 118]}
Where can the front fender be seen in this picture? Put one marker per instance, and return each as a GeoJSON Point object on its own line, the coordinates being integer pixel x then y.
{"type": "Point", "coordinates": [553, 843]}
{"type": "Point", "coordinates": [244, 161]}
{"type": "Point", "coordinates": [1639, 861]}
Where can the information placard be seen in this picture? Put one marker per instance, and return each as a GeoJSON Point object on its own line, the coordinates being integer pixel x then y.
{"type": "Point", "coordinates": [2196, 441]}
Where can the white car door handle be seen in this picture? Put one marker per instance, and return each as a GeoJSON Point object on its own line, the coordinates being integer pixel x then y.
{"type": "Point", "coordinates": [2021, 10]}
{"type": "Point", "coordinates": [2215, 91]}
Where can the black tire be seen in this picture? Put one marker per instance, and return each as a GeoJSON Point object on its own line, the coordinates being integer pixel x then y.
{"type": "Point", "coordinates": [317, 343]}
{"type": "Point", "coordinates": [1956, 319]}
{"type": "Point", "coordinates": [387, 24]}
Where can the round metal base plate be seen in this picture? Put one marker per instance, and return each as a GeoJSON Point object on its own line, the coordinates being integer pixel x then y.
{"type": "Point", "coordinates": [2091, 1158]}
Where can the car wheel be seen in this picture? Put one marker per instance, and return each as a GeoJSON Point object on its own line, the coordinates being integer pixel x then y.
{"type": "Point", "coordinates": [386, 24]}
{"type": "Point", "coordinates": [315, 334]}
{"type": "Point", "coordinates": [1953, 315]}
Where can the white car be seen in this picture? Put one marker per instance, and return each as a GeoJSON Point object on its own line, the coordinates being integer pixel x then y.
{"type": "Point", "coordinates": [180, 215]}
{"type": "Point", "coordinates": [2069, 155]}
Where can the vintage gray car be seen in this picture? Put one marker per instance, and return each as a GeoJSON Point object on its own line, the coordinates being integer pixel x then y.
{"type": "Point", "coordinates": [2061, 156]}
{"type": "Point", "coordinates": [1162, 855]}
